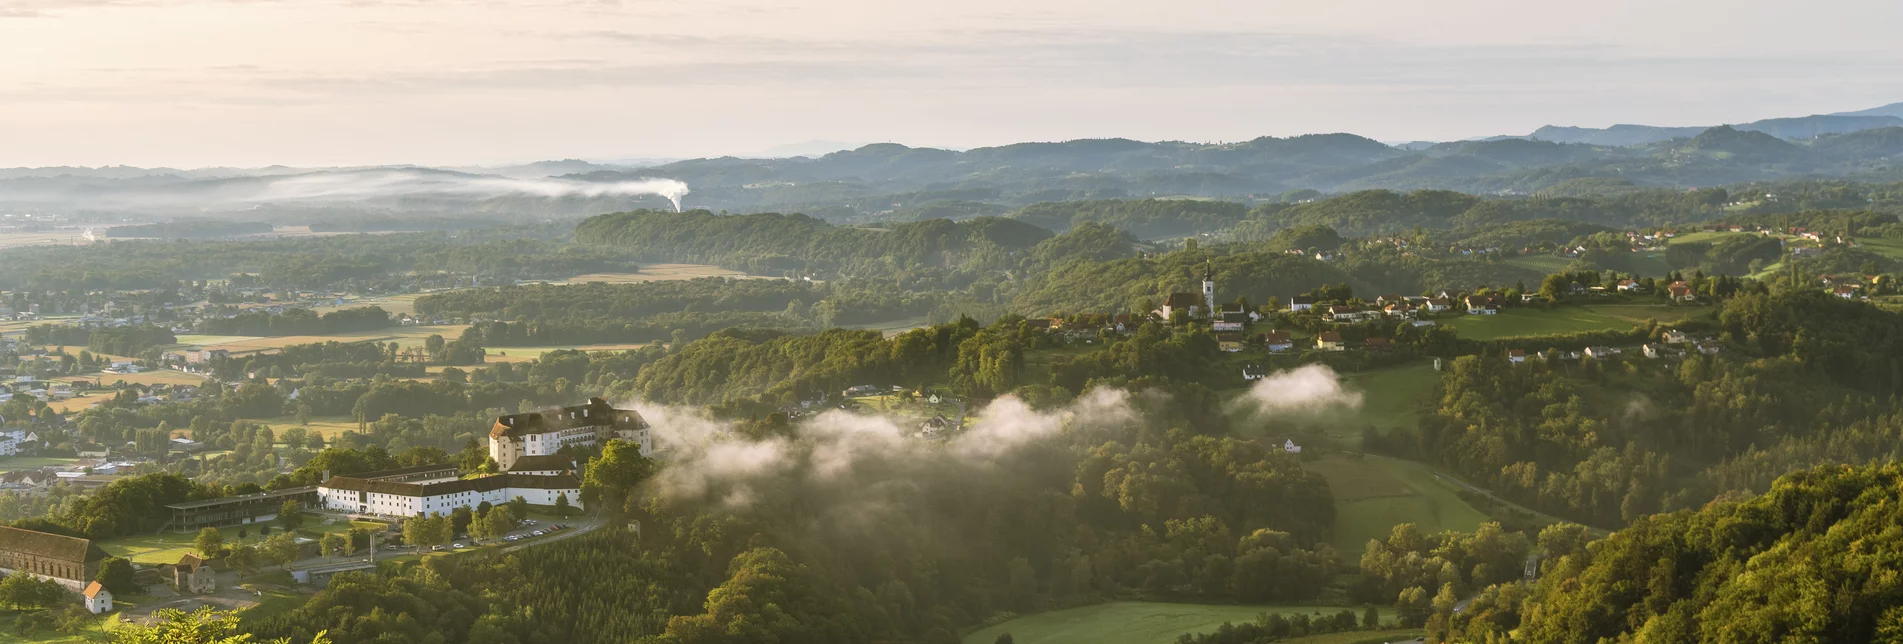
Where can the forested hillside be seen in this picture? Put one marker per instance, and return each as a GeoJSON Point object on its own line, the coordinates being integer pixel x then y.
{"type": "Point", "coordinates": [773, 243]}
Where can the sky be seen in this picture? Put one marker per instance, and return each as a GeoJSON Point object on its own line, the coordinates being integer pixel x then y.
{"type": "Point", "coordinates": [193, 83]}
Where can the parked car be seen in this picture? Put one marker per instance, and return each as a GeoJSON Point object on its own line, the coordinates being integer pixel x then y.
{"type": "Point", "coordinates": [457, 546]}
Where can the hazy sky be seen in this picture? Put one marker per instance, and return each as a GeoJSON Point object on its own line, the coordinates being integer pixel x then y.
{"type": "Point", "coordinates": [322, 82]}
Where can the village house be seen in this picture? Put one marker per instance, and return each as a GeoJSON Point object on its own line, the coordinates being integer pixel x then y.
{"type": "Point", "coordinates": [194, 575]}
{"type": "Point", "coordinates": [1681, 292]}
{"type": "Point", "coordinates": [1516, 356]}
{"type": "Point", "coordinates": [1231, 321]}
{"type": "Point", "coordinates": [98, 600]}
{"type": "Point", "coordinates": [1482, 305]}
{"type": "Point", "coordinates": [1231, 342]}
{"type": "Point", "coordinates": [1401, 310]}
{"type": "Point", "coordinates": [1278, 341]}
{"type": "Point", "coordinates": [1675, 336]}
{"type": "Point", "coordinates": [1329, 341]}
{"type": "Point", "coordinates": [1290, 447]}
{"type": "Point", "coordinates": [1628, 286]}
{"type": "Point", "coordinates": [1601, 353]}
{"type": "Point", "coordinates": [1254, 371]}
{"type": "Point", "coordinates": [1344, 314]}
{"type": "Point", "coordinates": [1438, 305]}
{"type": "Point", "coordinates": [1654, 350]}
{"type": "Point", "coordinates": [1301, 303]}
{"type": "Point", "coordinates": [1846, 291]}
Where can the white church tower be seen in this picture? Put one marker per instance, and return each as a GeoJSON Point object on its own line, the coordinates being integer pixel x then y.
{"type": "Point", "coordinates": [1209, 294]}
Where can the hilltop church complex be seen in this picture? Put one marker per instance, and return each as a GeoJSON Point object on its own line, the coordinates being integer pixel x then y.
{"type": "Point", "coordinates": [525, 446]}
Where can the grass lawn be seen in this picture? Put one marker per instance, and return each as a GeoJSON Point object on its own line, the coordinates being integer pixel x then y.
{"type": "Point", "coordinates": [1129, 622]}
{"type": "Point", "coordinates": [11, 463]}
{"type": "Point", "coordinates": [274, 602]}
{"type": "Point", "coordinates": [1521, 322]}
{"type": "Point", "coordinates": [894, 327]}
{"type": "Point", "coordinates": [1373, 494]}
{"type": "Point", "coordinates": [166, 547]}
{"type": "Point", "coordinates": [1548, 264]}
{"type": "Point", "coordinates": [1890, 247]}
{"type": "Point", "coordinates": [1707, 236]}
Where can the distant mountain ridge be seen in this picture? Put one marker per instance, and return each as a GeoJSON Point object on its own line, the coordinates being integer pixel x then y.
{"type": "Point", "coordinates": [1793, 128]}
{"type": "Point", "coordinates": [890, 181]}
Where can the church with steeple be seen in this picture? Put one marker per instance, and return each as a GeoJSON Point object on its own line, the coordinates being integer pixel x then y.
{"type": "Point", "coordinates": [1193, 306]}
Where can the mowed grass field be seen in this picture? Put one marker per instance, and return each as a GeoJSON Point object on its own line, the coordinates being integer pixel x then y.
{"type": "Point", "coordinates": [1521, 322]}
{"type": "Point", "coordinates": [1391, 398]}
{"type": "Point", "coordinates": [526, 354]}
{"type": "Point", "coordinates": [14, 463]}
{"type": "Point", "coordinates": [153, 377]}
{"type": "Point", "coordinates": [329, 426]}
{"type": "Point", "coordinates": [1374, 494]}
{"type": "Point", "coordinates": [1130, 622]}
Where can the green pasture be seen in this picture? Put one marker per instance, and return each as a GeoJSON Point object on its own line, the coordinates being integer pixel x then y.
{"type": "Point", "coordinates": [1523, 322]}
{"type": "Point", "coordinates": [1130, 622]}
{"type": "Point", "coordinates": [1374, 494]}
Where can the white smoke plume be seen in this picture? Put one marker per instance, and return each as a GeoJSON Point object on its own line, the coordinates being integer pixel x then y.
{"type": "Point", "coordinates": [403, 182]}
{"type": "Point", "coordinates": [708, 460]}
{"type": "Point", "coordinates": [1309, 388]}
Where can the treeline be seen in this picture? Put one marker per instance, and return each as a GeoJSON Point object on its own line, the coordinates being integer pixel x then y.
{"type": "Point", "coordinates": [328, 360]}
{"type": "Point", "coordinates": [547, 302]}
{"type": "Point", "coordinates": [117, 341]}
{"type": "Point", "coordinates": [771, 243]}
{"type": "Point", "coordinates": [1380, 212]}
{"type": "Point", "coordinates": [298, 322]}
{"type": "Point", "coordinates": [128, 506]}
{"type": "Point", "coordinates": [389, 262]}
{"type": "Point", "coordinates": [1144, 218]}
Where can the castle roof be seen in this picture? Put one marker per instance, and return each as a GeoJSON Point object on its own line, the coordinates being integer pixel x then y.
{"type": "Point", "coordinates": [595, 413]}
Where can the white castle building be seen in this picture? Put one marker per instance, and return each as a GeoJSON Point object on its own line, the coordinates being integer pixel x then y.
{"type": "Point", "coordinates": [523, 445]}
{"type": "Point", "coordinates": [526, 443]}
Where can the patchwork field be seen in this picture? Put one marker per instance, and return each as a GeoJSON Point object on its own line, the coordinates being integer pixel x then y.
{"type": "Point", "coordinates": [1521, 322]}
{"type": "Point", "coordinates": [1131, 622]}
{"type": "Point", "coordinates": [1374, 494]}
